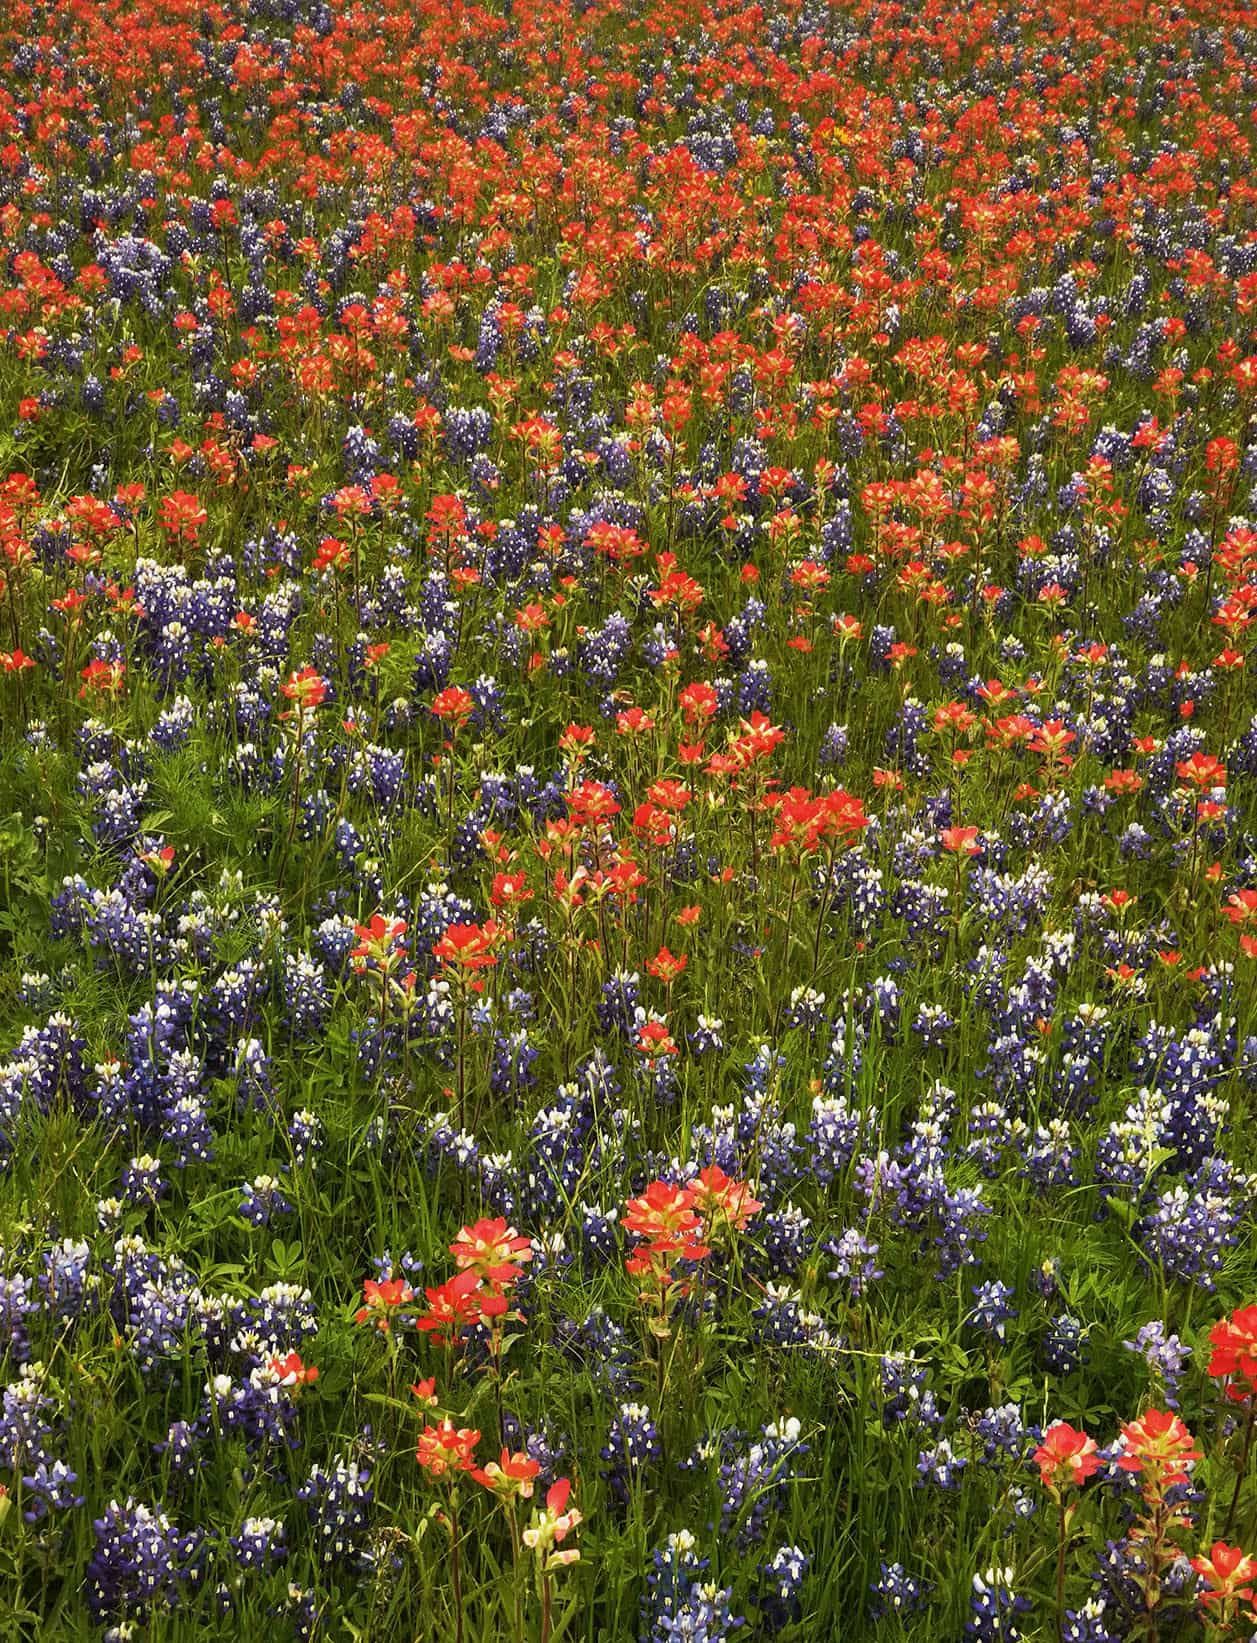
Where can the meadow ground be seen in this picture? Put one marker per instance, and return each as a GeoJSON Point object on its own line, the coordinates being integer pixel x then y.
{"type": "Point", "coordinates": [628, 942]}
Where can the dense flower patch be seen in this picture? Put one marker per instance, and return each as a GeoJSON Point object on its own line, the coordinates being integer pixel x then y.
{"type": "Point", "coordinates": [628, 954]}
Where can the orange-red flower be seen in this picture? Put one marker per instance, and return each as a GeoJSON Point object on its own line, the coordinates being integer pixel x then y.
{"type": "Point", "coordinates": [182, 515]}
{"type": "Point", "coordinates": [1066, 1456]}
{"type": "Point", "coordinates": [453, 704]}
{"type": "Point", "coordinates": [446, 1448]}
{"type": "Point", "coordinates": [960, 841]}
{"type": "Point", "coordinates": [667, 966]}
{"type": "Point", "coordinates": [453, 1307]}
{"type": "Point", "coordinates": [492, 1250]}
{"type": "Point", "coordinates": [722, 1201]}
{"type": "Point", "coordinates": [381, 1301]}
{"type": "Point", "coordinates": [291, 1372]}
{"type": "Point", "coordinates": [1228, 1573]}
{"type": "Point", "coordinates": [510, 1476]}
{"type": "Point", "coordinates": [1234, 1355]}
{"type": "Point", "coordinates": [1160, 1447]}
{"type": "Point", "coordinates": [466, 947]}
{"type": "Point", "coordinates": [306, 687]}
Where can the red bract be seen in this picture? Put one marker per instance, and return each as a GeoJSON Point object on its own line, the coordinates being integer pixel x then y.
{"type": "Point", "coordinates": [291, 1372]}
{"type": "Point", "coordinates": [453, 705]}
{"type": "Point", "coordinates": [493, 1250]}
{"type": "Point", "coordinates": [1228, 1573]}
{"type": "Point", "coordinates": [182, 516]}
{"type": "Point", "coordinates": [453, 1307]}
{"type": "Point", "coordinates": [667, 966]}
{"type": "Point", "coordinates": [1234, 1355]}
{"type": "Point", "coordinates": [446, 1448]}
{"type": "Point", "coordinates": [1065, 1456]}
{"type": "Point", "coordinates": [1160, 1447]}
{"type": "Point", "coordinates": [960, 841]}
{"type": "Point", "coordinates": [467, 947]}
{"type": "Point", "coordinates": [1241, 908]}
{"type": "Point", "coordinates": [379, 943]}
{"type": "Point", "coordinates": [381, 1301]}
{"type": "Point", "coordinates": [721, 1201]}
{"type": "Point", "coordinates": [663, 1210]}
{"type": "Point", "coordinates": [510, 1476]}
{"type": "Point", "coordinates": [306, 688]}
{"type": "Point", "coordinates": [102, 678]}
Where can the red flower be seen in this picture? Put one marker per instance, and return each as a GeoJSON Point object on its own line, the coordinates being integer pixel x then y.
{"type": "Point", "coordinates": [424, 1393]}
{"type": "Point", "coordinates": [666, 966]}
{"type": "Point", "coordinates": [1241, 908]}
{"type": "Point", "coordinates": [381, 1301]}
{"type": "Point", "coordinates": [722, 1201]}
{"type": "Point", "coordinates": [182, 516]}
{"type": "Point", "coordinates": [454, 704]}
{"type": "Point", "coordinates": [654, 1039]}
{"type": "Point", "coordinates": [290, 1371]}
{"type": "Point", "coordinates": [663, 1210]}
{"type": "Point", "coordinates": [306, 687]}
{"type": "Point", "coordinates": [509, 890]}
{"type": "Point", "coordinates": [379, 943]}
{"type": "Point", "coordinates": [466, 947]}
{"type": "Point", "coordinates": [453, 1307]}
{"type": "Point", "coordinates": [1202, 770]}
{"type": "Point", "coordinates": [1234, 1356]}
{"type": "Point", "coordinates": [1066, 1456]}
{"type": "Point", "coordinates": [510, 1475]}
{"type": "Point", "coordinates": [698, 702]}
{"type": "Point", "coordinates": [445, 1448]}
{"type": "Point", "coordinates": [492, 1250]}
{"type": "Point", "coordinates": [961, 841]}
{"type": "Point", "coordinates": [758, 737]}
{"type": "Point", "coordinates": [551, 1527]}
{"type": "Point", "coordinates": [1227, 1572]}
{"type": "Point", "coordinates": [1159, 1446]}
{"type": "Point", "coordinates": [102, 676]}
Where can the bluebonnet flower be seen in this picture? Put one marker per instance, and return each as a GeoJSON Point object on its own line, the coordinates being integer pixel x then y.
{"type": "Point", "coordinates": [181, 1445]}
{"type": "Point", "coordinates": [993, 1313]}
{"type": "Point", "coordinates": [1002, 1431]}
{"type": "Point", "coordinates": [855, 1261]}
{"type": "Point", "coordinates": [940, 1466]}
{"type": "Point", "coordinates": [994, 1607]}
{"type": "Point", "coordinates": [1064, 1345]}
{"type": "Point", "coordinates": [142, 1181]}
{"type": "Point", "coordinates": [49, 1488]}
{"type": "Point", "coordinates": [896, 1592]}
{"type": "Point", "coordinates": [782, 1576]}
{"type": "Point", "coordinates": [141, 1561]}
{"type": "Point", "coordinates": [262, 1200]}
{"type": "Point", "coordinates": [260, 1543]}
{"type": "Point", "coordinates": [679, 1606]}
{"type": "Point", "coordinates": [632, 1446]}
{"type": "Point", "coordinates": [17, 1304]}
{"type": "Point", "coordinates": [337, 1500]}
{"type": "Point", "coordinates": [1165, 1355]}
{"type": "Point", "coordinates": [754, 1477]}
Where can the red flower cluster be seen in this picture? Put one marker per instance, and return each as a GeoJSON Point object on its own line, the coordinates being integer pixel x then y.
{"type": "Point", "coordinates": [1234, 1355]}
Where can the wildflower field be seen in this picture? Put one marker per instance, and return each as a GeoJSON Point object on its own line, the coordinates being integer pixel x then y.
{"type": "Point", "coordinates": [628, 845]}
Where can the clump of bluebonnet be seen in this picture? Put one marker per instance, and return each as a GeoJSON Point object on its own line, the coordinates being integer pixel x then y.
{"type": "Point", "coordinates": [337, 1500]}
{"type": "Point", "coordinates": [782, 1578]}
{"type": "Point", "coordinates": [1165, 1355]}
{"type": "Point", "coordinates": [679, 1605]}
{"type": "Point", "coordinates": [896, 1592]}
{"type": "Point", "coordinates": [142, 1562]}
{"type": "Point", "coordinates": [994, 1606]}
{"type": "Point", "coordinates": [632, 1445]}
